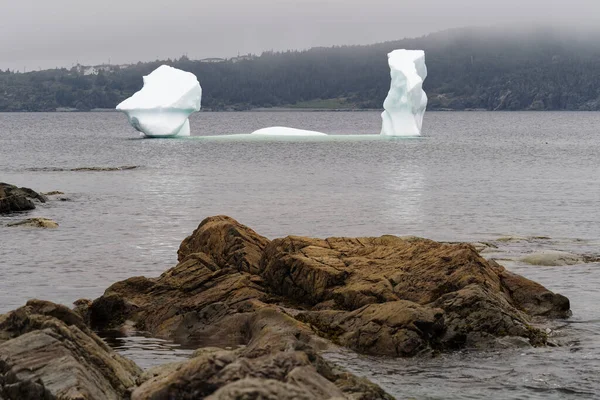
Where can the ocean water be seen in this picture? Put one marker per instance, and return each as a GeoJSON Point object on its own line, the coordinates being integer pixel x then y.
{"type": "Point", "coordinates": [473, 176]}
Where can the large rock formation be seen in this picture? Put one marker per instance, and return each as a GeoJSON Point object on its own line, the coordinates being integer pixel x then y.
{"type": "Point", "coordinates": [13, 198]}
{"type": "Point", "coordinates": [261, 310]}
{"type": "Point", "coordinates": [47, 352]}
{"type": "Point", "coordinates": [383, 296]}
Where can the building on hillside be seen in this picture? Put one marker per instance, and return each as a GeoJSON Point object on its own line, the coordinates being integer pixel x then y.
{"type": "Point", "coordinates": [212, 60]}
{"type": "Point", "coordinates": [95, 69]}
{"type": "Point", "coordinates": [243, 58]}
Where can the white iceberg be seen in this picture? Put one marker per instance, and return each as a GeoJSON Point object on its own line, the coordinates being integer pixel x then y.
{"type": "Point", "coordinates": [284, 131]}
{"type": "Point", "coordinates": [406, 101]}
{"type": "Point", "coordinates": [162, 107]}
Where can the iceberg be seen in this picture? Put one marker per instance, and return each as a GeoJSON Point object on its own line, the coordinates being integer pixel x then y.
{"type": "Point", "coordinates": [406, 101]}
{"type": "Point", "coordinates": [165, 102]}
{"type": "Point", "coordinates": [284, 131]}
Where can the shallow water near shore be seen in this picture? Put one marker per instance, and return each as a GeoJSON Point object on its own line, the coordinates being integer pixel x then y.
{"type": "Point", "coordinates": [523, 182]}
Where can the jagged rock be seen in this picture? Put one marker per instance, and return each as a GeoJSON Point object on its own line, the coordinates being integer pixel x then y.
{"type": "Point", "coordinates": [13, 198]}
{"type": "Point", "coordinates": [229, 375]}
{"type": "Point", "coordinates": [275, 304]}
{"type": "Point", "coordinates": [227, 243]}
{"type": "Point", "coordinates": [82, 308]}
{"type": "Point", "coordinates": [401, 328]}
{"type": "Point", "coordinates": [48, 352]}
{"type": "Point", "coordinates": [36, 223]}
{"type": "Point", "coordinates": [250, 388]}
{"type": "Point", "coordinates": [531, 297]}
{"type": "Point", "coordinates": [472, 296]}
{"type": "Point", "coordinates": [387, 295]}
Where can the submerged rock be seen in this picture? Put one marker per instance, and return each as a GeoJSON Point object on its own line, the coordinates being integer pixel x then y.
{"type": "Point", "coordinates": [383, 296]}
{"type": "Point", "coordinates": [552, 258]}
{"type": "Point", "coordinates": [14, 199]}
{"type": "Point", "coordinates": [36, 223]}
{"type": "Point", "coordinates": [47, 352]}
{"type": "Point", "coordinates": [121, 168]}
{"type": "Point", "coordinates": [84, 169]}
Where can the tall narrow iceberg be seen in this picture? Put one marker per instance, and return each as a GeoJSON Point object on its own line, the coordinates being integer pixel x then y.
{"type": "Point", "coordinates": [162, 107]}
{"type": "Point", "coordinates": [406, 101]}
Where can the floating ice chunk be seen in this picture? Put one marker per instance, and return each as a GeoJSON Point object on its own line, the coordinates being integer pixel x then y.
{"type": "Point", "coordinates": [283, 131]}
{"type": "Point", "coordinates": [162, 107]}
{"type": "Point", "coordinates": [406, 101]}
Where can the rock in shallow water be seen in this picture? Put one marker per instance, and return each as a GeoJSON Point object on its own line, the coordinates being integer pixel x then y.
{"type": "Point", "coordinates": [36, 223]}
{"type": "Point", "coordinates": [277, 303]}
{"type": "Point", "coordinates": [47, 352]}
{"type": "Point", "coordinates": [279, 375]}
{"type": "Point", "coordinates": [14, 199]}
{"type": "Point", "coordinates": [552, 258]}
{"type": "Point", "coordinates": [384, 296]}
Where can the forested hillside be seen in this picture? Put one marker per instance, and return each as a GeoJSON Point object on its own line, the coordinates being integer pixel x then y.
{"type": "Point", "coordinates": [537, 69]}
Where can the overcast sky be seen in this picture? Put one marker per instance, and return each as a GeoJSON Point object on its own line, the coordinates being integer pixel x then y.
{"type": "Point", "coordinates": [49, 33]}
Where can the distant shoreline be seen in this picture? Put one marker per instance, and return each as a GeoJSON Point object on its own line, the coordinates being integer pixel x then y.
{"type": "Point", "coordinates": [292, 109]}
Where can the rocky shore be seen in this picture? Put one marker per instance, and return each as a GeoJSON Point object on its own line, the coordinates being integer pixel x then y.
{"type": "Point", "coordinates": [15, 200]}
{"type": "Point", "coordinates": [260, 311]}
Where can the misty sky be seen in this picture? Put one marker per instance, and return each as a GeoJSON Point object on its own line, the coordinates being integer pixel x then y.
{"type": "Point", "coordinates": [49, 33]}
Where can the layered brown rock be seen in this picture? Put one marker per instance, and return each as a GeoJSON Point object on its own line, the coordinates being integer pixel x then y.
{"type": "Point", "coordinates": [227, 243]}
{"type": "Point", "coordinates": [399, 296]}
{"type": "Point", "coordinates": [278, 375]}
{"type": "Point", "coordinates": [47, 352]}
{"type": "Point", "coordinates": [386, 295]}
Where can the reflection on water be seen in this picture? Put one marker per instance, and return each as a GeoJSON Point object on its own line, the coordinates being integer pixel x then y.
{"type": "Point", "coordinates": [145, 351]}
{"type": "Point", "coordinates": [404, 187]}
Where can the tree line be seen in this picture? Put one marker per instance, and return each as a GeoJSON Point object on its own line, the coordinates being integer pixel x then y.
{"type": "Point", "coordinates": [471, 68]}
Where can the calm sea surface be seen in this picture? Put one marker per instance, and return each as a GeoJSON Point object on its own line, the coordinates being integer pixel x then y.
{"type": "Point", "coordinates": [473, 177]}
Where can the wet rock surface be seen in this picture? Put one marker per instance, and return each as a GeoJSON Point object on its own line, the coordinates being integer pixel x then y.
{"type": "Point", "coordinates": [35, 223]}
{"type": "Point", "coordinates": [15, 199]}
{"type": "Point", "coordinates": [382, 296]}
{"type": "Point", "coordinates": [279, 375]}
{"type": "Point", "coordinates": [260, 311]}
{"type": "Point", "coordinates": [47, 352]}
